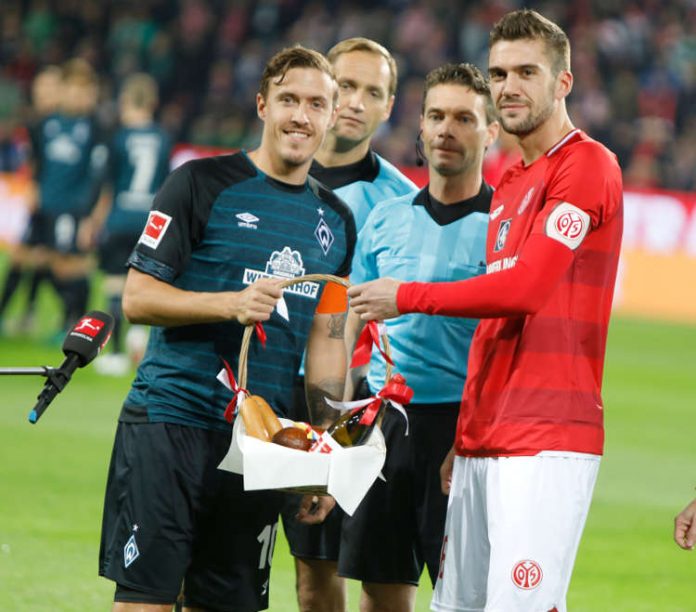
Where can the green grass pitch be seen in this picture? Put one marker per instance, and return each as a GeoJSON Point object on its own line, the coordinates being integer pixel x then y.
{"type": "Point", "coordinates": [52, 480]}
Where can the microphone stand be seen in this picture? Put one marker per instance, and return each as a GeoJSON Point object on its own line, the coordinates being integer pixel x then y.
{"type": "Point", "coordinates": [56, 376]}
{"type": "Point", "coordinates": [41, 371]}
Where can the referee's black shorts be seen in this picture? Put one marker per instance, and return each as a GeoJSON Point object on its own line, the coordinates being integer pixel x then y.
{"type": "Point", "coordinates": [171, 517]}
{"type": "Point", "coordinates": [399, 525]}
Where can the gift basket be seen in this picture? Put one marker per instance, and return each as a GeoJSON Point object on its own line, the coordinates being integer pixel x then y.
{"type": "Point", "coordinates": [342, 461]}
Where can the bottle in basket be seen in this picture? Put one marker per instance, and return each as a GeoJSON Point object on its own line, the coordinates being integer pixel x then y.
{"type": "Point", "coordinates": [353, 428]}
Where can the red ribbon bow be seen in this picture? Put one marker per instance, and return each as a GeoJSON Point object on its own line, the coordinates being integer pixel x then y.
{"type": "Point", "coordinates": [232, 406]}
{"type": "Point", "coordinates": [396, 390]}
{"type": "Point", "coordinates": [369, 336]}
{"type": "Point", "coordinates": [261, 333]}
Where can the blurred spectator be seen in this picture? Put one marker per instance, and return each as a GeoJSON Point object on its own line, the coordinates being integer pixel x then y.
{"type": "Point", "coordinates": [634, 60]}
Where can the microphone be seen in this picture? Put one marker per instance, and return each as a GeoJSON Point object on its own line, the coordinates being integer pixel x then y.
{"type": "Point", "coordinates": [82, 344]}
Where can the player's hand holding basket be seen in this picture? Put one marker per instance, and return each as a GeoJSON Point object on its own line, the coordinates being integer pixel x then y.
{"type": "Point", "coordinates": [343, 461]}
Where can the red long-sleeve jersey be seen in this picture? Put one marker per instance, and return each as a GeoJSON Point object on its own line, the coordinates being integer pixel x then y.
{"type": "Point", "coordinates": [537, 357]}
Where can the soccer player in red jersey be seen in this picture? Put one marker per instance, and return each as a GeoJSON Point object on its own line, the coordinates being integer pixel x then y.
{"type": "Point", "coordinates": [530, 429]}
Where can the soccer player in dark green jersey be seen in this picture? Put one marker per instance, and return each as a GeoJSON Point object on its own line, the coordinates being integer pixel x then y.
{"type": "Point", "coordinates": [138, 162]}
{"type": "Point", "coordinates": [70, 164]}
{"type": "Point", "coordinates": [29, 258]}
{"type": "Point", "coordinates": [222, 233]}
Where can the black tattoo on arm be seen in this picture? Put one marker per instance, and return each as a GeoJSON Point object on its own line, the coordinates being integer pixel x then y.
{"type": "Point", "coordinates": [337, 324]}
{"type": "Point", "coordinates": [320, 413]}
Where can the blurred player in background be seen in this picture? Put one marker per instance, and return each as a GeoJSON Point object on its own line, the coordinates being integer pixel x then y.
{"type": "Point", "coordinates": [71, 174]}
{"type": "Point", "coordinates": [137, 165]}
{"type": "Point", "coordinates": [685, 527]}
{"type": "Point", "coordinates": [28, 258]}
{"type": "Point", "coordinates": [438, 234]}
{"type": "Point", "coordinates": [530, 431]}
{"type": "Point", "coordinates": [366, 74]}
{"type": "Point", "coordinates": [68, 157]}
{"type": "Point", "coordinates": [222, 233]}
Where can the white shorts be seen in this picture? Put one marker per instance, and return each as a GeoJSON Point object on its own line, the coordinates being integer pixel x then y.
{"type": "Point", "coordinates": [512, 532]}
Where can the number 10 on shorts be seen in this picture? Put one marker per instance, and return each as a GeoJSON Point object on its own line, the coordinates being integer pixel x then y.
{"type": "Point", "coordinates": [267, 539]}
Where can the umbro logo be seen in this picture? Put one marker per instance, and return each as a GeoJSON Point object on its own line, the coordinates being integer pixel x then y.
{"type": "Point", "coordinates": [246, 219]}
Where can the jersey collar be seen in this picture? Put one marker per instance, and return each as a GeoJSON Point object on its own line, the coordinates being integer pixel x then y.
{"type": "Point", "coordinates": [444, 214]}
{"type": "Point", "coordinates": [569, 137]}
{"type": "Point", "coordinates": [335, 177]}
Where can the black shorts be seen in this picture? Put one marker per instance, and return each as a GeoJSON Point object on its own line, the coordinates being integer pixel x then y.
{"type": "Point", "coordinates": [170, 516]}
{"type": "Point", "coordinates": [114, 251]}
{"type": "Point", "coordinates": [39, 230]}
{"type": "Point", "coordinates": [56, 232]}
{"type": "Point", "coordinates": [309, 541]}
{"type": "Point", "coordinates": [399, 525]}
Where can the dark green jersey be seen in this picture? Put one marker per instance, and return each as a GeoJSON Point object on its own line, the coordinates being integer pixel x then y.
{"type": "Point", "coordinates": [138, 165]}
{"type": "Point", "coordinates": [219, 224]}
{"type": "Point", "coordinates": [69, 155]}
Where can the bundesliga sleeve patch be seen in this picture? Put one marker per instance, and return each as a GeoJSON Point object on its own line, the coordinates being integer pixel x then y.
{"type": "Point", "coordinates": [568, 224]}
{"type": "Point", "coordinates": [155, 229]}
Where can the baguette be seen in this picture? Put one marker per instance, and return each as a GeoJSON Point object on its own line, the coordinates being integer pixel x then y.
{"type": "Point", "coordinates": [253, 421]}
{"type": "Point", "coordinates": [270, 420]}
{"type": "Point", "coordinates": [264, 423]}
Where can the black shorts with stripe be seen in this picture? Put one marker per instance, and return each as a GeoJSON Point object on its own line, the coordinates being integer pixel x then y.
{"type": "Point", "coordinates": [172, 518]}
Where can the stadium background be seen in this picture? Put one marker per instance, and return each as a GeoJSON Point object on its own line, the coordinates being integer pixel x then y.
{"type": "Point", "coordinates": [635, 90]}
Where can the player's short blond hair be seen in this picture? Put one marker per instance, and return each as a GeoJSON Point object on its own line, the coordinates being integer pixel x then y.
{"type": "Point", "coordinates": [528, 24]}
{"type": "Point", "coordinates": [293, 57]}
{"type": "Point", "coordinates": [141, 91]}
{"type": "Point", "coordinates": [369, 46]}
{"type": "Point", "coordinates": [79, 71]}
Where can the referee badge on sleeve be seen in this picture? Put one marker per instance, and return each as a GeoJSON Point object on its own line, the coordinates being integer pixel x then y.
{"type": "Point", "coordinates": [568, 224]}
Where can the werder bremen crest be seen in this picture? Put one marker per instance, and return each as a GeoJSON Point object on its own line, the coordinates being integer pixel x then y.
{"type": "Point", "coordinates": [324, 236]}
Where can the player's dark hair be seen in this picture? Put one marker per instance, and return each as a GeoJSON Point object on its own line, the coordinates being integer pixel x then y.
{"type": "Point", "coordinates": [289, 58]}
{"type": "Point", "coordinates": [359, 43]}
{"type": "Point", "coordinates": [528, 24]}
{"type": "Point", "coordinates": [463, 74]}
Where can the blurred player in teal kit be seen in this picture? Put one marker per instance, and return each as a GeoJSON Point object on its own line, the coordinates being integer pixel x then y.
{"type": "Point", "coordinates": [437, 234]}
{"type": "Point", "coordinates": [68, 155]}
{"type": "Point", "coordinates": [137, 165]}
{"type": "Point", "coordinates": [366, 74]}
{"type": "Point", "coordinates": [28, 258]}
{"type": "Point", "coordinates": [222, 233]}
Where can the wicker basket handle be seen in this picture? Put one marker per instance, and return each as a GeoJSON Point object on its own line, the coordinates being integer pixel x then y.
{"type": "Point", "coordinates": [249, 330]}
